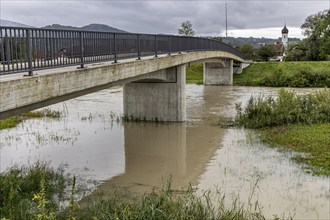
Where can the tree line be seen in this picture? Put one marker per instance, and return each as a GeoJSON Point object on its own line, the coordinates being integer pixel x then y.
{"type": "Point", "coordinates": [315, 47]}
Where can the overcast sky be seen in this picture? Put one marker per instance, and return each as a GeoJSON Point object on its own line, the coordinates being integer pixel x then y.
{"type": "Point", "coordinates": [245, 17]}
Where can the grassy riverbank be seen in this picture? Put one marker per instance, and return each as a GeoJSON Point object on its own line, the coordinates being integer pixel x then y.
{"type": "Point", "coordinates": [274, 74]}
{"type": "Point", "coordinates": [286, 74]}
{"type": "Point", "coordinates": [194, 74]}
{"type": "Point", "coordinates": [39, 192]}
{"type": "Point", "coordinates": [293, 122]}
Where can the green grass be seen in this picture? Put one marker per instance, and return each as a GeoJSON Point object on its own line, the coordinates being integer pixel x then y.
{"type": "Point", "coordinates": [19, 185]}
{"type": "Point", "coordinates": [166, 205]}
{"type": "Point", "coordinates": [297, 122]}
{"type": "Point", "coordinates": [285, 74]}
{"type": "Point", "coordinates": [274, 74]}
{"type": "Point", "coordinates": [36, 192]}
{"type": "Point", "coordinates": [311, 140]}
{"type": "Point", "coordinates": [10, 122]}
{"type": "Point", "coordinates": [15, 120]}
{"type": "Point", "coordinates": [194, 74]}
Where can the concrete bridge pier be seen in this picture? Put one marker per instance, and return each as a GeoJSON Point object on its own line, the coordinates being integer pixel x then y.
{"type": "Point", "coordinates": [218, 72]}
{"type": "Point", "coordinates": [157, 96]}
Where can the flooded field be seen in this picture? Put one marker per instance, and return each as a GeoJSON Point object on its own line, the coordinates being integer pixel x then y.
{"type": "Point", "coordinates": [92, 142]}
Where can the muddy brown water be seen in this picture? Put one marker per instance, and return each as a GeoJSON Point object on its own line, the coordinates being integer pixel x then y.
{"type": "Point", "coordinates": [93, 144]}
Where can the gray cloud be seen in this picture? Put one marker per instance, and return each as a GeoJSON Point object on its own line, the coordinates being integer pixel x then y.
{"type": "Point", "coordinates": [163, 16]}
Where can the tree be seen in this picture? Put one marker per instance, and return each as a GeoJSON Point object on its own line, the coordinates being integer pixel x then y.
{"type": "Point", "coordinates": [297, 51]}
{"type": "Point", "coordinates": [186, 29]}
{"type": "Point", "coordinates": [248, 51]}
{"type": "Point", "coordinates": [266, 52]}
{"type": "Point", "coordinates": [317, 29]}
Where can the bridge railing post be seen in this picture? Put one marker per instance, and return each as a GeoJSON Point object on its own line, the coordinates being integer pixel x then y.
{"type": "Point", "coordinates": [81, 49]}
{"type": "Point", "coordinates": [115, 47]}
{"type": "Point", "coordinates": [180, 43]}
{"type": "Point", "coordinates": [29, 51]}
{"type": "Point", "coordinates": [156, 46]}
{"type": "Point", "coordinates": [139, 46]}
{"type": "Point", "coordinates": [169, 45]}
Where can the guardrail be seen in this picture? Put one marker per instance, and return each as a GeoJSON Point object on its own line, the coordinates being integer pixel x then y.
{"type": "Point", "coordinates": [30, 49]}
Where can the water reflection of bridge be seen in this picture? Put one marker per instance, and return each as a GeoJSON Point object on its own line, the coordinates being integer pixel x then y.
{"type": "Point", "coordinates": [156, 152]}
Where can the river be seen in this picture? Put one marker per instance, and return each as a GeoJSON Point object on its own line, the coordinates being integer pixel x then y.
{"type": "Point", "coordinates": [94, 144]}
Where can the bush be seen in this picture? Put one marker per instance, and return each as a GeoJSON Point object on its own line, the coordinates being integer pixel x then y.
{"type": "Point", "coordinates": [19, 185]}
{"type": "Point", "coordinates": [288, 108]}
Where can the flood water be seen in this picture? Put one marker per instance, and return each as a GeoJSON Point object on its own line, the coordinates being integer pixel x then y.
{"type": "Point", "coordinates": [93, 144]}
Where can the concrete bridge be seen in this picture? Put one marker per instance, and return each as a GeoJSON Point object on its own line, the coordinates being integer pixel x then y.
{"type": "Point", "coordinates": [154, 80]}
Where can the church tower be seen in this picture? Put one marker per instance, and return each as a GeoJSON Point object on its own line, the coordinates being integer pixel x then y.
{"type": "Point", "coordinates": [285, 39]}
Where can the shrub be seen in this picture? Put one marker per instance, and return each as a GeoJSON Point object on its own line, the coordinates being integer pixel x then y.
{"type": "Point", "coordinates": [19, 185]}
{"type": "Point", "coordinates": [288, 108]}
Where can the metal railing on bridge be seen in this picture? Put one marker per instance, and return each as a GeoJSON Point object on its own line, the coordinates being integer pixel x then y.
{"type": "Point", "coordinates": [30, 49]}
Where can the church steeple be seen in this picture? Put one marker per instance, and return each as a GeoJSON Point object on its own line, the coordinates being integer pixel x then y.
{"type": "Point", "coordinates": [285, 30]}
{"type": "Point", "coordinates": [285, 39]}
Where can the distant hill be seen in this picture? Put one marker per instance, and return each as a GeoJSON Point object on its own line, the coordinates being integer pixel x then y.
{"type": "Point", "coordinates": [59, 26]}
{"type": "Point", "coordinates": [90, 27]}
{"type": "Point", "coordinates": [102, 27]}
{"type": "Point", "coordinates": [12, 24]}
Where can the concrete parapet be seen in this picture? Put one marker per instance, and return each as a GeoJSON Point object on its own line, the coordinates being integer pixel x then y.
{"type": "Point", "coordinates": [157, 100]}
{"type": "Point", "coordinates": [218, 72]}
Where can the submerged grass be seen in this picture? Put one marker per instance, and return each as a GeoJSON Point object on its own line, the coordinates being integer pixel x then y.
{"type": "Point", "coordinates": [311, 140]}
{"type": "Point", "coordinates": [296, 122]}
{"type": "Point", "coordinates": [10, 122]}
{"type": "Point", "coordinates": [15, 120]}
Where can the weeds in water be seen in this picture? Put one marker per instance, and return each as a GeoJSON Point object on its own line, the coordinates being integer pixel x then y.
{"type": "Point", "coordinates": [15, 120]}
{"type": "Point", "coordinates": [118, 118]}
{"type": "Point", "coordinates": [47, 112]}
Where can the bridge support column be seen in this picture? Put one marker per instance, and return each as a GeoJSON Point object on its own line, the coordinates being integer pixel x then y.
{"type": "Point", "coordinates": [218, 72]}
{"type": "Point", "coordinates": [157, 100]}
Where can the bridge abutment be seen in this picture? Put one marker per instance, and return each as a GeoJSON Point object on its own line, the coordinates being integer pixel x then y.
{"type": "Point", "coordinates": [157, 100]}
{"type": "Point", "coordinates": [218, 72]}
{"type": "Point", "coordinates": [238, 69]}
